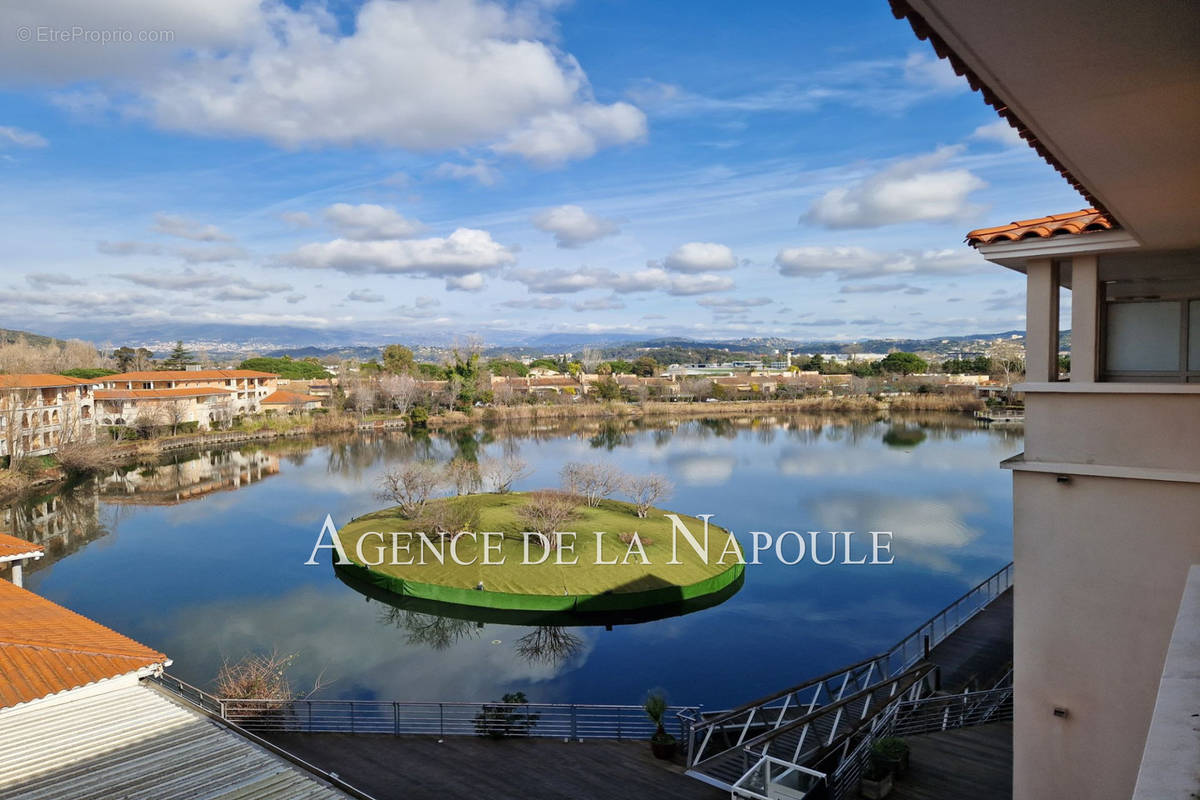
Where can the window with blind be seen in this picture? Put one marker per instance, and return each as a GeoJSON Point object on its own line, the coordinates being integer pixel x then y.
{"type": "Point", "coordinates": [1152, 340]}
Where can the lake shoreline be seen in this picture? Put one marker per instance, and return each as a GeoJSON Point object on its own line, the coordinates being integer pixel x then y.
{"type": "Point", "coordinates": [126, 454]}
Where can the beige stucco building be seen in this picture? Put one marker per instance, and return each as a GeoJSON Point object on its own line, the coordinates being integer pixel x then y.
{"type": "Point", "coordinates": [209, 397]}
{"type": "Point", "coordinates": [1106, 496]}
{"type": "Point", "coordinates": [39, 412]}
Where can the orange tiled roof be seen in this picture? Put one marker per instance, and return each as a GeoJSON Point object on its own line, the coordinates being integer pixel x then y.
{"type": "Point", "coordinates": [12, 548]}
{"type": "Point", "coordinates": [1083, 221]}
{"type": "Point", "coordinates": [188, 374]}
{"type": "Point", "coordinates": [159, 394]}
{"type": "Point", "coordinates": [282, 397]}
{"type": "Point", "coordinates": [46, 649]}
{"type": "Point", "coordinates": [42, 380]}
{"type": "Point", "coordinates": [902, 10]}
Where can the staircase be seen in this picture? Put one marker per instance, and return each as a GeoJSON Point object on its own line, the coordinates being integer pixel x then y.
{"type": "Point", "coordinates": [801, 728]}
{"type": "Point", "coordinates": [795, 737]}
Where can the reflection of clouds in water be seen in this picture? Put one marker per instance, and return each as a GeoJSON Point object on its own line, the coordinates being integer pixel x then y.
{"type": "Point", "coordinates": [701, 469]}
{"type": "Point", "coordinates": [924, 530]}
{"type": "Point", "coordinates": [339, 636]}
{"type": "Point", "coordinates": [818, 462]}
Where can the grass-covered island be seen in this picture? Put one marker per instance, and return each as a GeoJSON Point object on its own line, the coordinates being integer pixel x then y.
{"type": "Point", "coordinates": [602, 569]}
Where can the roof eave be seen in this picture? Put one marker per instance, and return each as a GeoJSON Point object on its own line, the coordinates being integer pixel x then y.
{"type": "Point", "coordinates": [1014, 255]}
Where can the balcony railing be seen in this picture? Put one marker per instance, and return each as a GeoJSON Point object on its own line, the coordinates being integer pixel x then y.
{"type": "Point", "coordinates": [548, 720]}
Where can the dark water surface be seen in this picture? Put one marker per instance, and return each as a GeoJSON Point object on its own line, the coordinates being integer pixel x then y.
{"type": "Point", "coordinates": [201, 556]}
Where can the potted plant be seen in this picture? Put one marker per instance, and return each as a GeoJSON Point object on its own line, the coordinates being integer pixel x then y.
{"type": "Point", "coordinates": [662, 744]}
{"type": "Point", "coordinates": [891, 752]}
{"type": "Point", "coordinates": [876, 781]}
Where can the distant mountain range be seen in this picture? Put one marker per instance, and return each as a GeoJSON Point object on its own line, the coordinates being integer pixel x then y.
{"type": "Point", "coordinates": [230, 342]}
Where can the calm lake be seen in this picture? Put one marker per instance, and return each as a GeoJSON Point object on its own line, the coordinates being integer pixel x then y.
{"type": "Point", "coordinates": [201, 556]}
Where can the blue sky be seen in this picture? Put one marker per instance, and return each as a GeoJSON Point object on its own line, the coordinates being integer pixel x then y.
{"type": "Point", "coordinates": [415, 171]}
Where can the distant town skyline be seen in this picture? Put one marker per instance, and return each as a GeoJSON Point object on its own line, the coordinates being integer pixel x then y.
{"type": "Point", "coordinates": [436, 169]}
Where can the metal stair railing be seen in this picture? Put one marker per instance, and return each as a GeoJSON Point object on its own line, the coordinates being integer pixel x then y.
{"type": "Point", "coordinates": [729, 730]}
{"type": "Point", "coordinates": [710, 735]}
{"type": "Point", "coordinates": [925, 715]}
{"type": "Point", "coordinates": [801, 771]}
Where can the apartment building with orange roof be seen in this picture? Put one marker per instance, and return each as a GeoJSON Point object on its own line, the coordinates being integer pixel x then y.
{"type": "Point", "coordinates": [208, 397]}
{"type": "Point", "coordinates": [39, 412]}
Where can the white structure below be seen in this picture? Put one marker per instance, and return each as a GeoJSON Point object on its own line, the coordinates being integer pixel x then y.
{"type": "Point", "coordinates": [120, 739]}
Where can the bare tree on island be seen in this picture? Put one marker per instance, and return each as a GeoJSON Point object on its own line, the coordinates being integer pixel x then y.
{"type": "Point", "coordinates": [546, 511]}
{"type": "Point", "coordinates": [592, 482]}
{"type": "Point", "coordinates": [410, 485]}
{"type": "Point", "coordinates": [502, 473]}
{"type": "Point", "coordinates": [646, 490]}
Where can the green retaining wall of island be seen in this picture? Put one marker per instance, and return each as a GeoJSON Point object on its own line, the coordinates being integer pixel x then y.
{"type": "Point", "coordinates": [584, 588]}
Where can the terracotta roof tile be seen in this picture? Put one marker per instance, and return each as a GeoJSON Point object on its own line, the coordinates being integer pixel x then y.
{"type": "Point", "coordinates": [158, 394]}
{"type": "Point", "coordinates": [188, 374]}
{"type": "Point", "coordinates": [46, 649]}
{"type": "Point", "coordinates": [42, 380]}
{"type": "Point", "coordinates": [1084, 221]}
{"type": "Point", "coordinates": [12, 548]}
{"type": "Point", "coordinates": [282, 397]}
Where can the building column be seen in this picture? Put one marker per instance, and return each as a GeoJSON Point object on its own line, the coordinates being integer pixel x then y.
{"type": "Point", "coordinates": [16, 572]}
{"type": "Point", "coordinates": [1041, 320]}
{"type": "Point", "coordinates": [1085, 319]}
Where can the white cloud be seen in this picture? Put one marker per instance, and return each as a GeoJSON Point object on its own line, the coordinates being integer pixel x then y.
{"type": "Point", "coordinates": [226, 287]}
{"type": "Point", "coordinates": [128, 248]}
{"type": "Point", "coordinates": [370, 222]}
{"type": "Point", "coordinates": [184, 228]}
{"type": "Point", "coordinates": [929, 71]}
{"type": "Point", "coordinates": [471, 282]}
{"type": "Point", "coordinates": [556, 137]}
{"type": "Point", "coordinates": [700, 257]}
{"type": "Point", "coordinates": [920, 188]}
{"type": "Point", "coordinates": [733, 305]}
{"type": "Point", "coordinates": [211, 254]}
{"type": "Point", "coordinates": [599, 304]}
{"type": "Point", "coordinates": [881, 288]}
{"type": "Point", "coordinates": [542, 303]}
{"type": "Point", "coordinates": [426, 75]}
{"type": "Point", "coordinates": [364, 296]}
{"type": "Point", "coordinates": [853, 262]}
{"type": "Point", "coordinates": [460, 258]}
{"type": "Point", "coordinates": [651, 279]}
{"type": "Point", "coordinates": [298, 219]}
{"type": "Point", "coordinates": [44, 280]}
{"type": "Point", "coordinates": [478, 170]}
{"type": "Point", "coordinates": [999, 132]}
{"type": "Point", "coordinates": [574, 227]}
{"type": "Point", "coordinates": [19, 137]}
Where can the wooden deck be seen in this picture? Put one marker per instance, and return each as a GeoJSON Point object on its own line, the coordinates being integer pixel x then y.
{"type": "Point", "coordinates": [974, 763]}
{"type": "Point", "coordinates": [979, 653]}
{"type": "Point", "coordinates": [419, 768]}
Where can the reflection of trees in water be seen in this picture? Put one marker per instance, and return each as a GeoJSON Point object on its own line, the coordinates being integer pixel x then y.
{"type": "Point", "coordinates": [549, 644]}
{"type": "Point", "coordinates": [612, 434]}
{"type": "Point", "coordinates": [355, 454]}
{"type": "Point", "coordinates": [430, 630]}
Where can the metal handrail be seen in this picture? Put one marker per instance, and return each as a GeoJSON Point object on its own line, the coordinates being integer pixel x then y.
{"type": "Point", "coordinates": [924, 715]}
{"type": "Point", "coordinates": [894, 661]}
{"type": "Point", "coordinates": [555, 720]}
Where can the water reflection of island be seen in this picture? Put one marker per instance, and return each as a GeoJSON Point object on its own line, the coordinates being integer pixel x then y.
{"type": "Point", "coordinates": [187, 478]}
{"type": "Point", "coordinates": [439, 625]}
